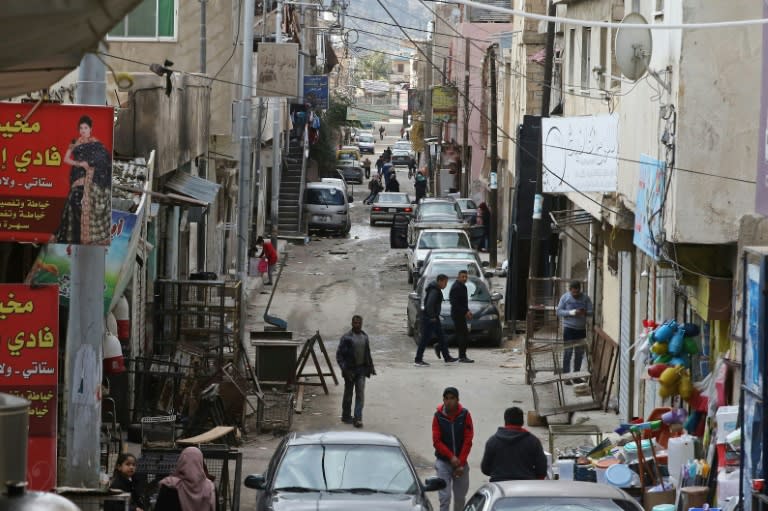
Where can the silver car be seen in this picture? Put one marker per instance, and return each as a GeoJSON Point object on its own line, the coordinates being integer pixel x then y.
{"type": "Point", "coordinates": [551, 496]}
{"type": "Point", "coordinates": [388, 204]}
{"type": "Point", "coordinates": [327, 208]}
{"type": "Point", "coordinates": [468, 210]}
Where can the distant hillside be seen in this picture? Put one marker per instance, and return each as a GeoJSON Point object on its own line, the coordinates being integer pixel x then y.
{"type": "Point", "coordinates": [385, 37]}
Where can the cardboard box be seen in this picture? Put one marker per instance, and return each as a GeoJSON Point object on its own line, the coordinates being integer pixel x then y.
{"type": "Point", "coordinates": [654, 498]}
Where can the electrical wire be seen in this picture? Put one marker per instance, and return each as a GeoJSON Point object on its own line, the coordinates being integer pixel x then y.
{"type": "Point", "coordinates": [609, 24]}
{"type": "Point", "coordinates": [234, 46]}
{"type": "Point", "coordinates": [412, 28]}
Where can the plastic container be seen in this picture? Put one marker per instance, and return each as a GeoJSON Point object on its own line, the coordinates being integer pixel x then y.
{"type": "Point", "coordinates": [664, 507]}
{"type": "Point", "coordinates": [602, 466]}
{"type": "Point", "coordinates": [630, 450]}
{"type": "Point", "coordinates": [619, 475]}
{"type": "Point", "coordinates": [565, 469]}
{"type": "Point", "coordinates": [680, 450]}
{"type": "Point", "coordinates": [727, 486]}
{"type": "Point", "coordinates": [727, 419]}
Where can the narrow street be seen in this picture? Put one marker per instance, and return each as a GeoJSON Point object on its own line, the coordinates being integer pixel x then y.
{"type": "Point", "coordinates": [328, 280]}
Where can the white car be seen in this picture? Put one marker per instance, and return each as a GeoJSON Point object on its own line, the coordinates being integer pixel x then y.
{"type": "Point", "coordinates": [365, 142]}
{"type": "Point", "coordinates": [429, 239]}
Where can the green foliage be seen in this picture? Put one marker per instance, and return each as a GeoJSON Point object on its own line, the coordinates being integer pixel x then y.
{"type": "Point", "coordinates": [375, 66]}
{"type": "Point", "coordinates": [331, 122]}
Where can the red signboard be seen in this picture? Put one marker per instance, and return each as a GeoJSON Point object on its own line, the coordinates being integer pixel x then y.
{"type": "Point", "coordinates": [29, 360]}
{"type": "Point", "coordinates": [55, 173]}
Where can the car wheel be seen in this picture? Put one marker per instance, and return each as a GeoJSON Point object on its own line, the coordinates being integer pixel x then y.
{"type": "Point", "coordinates": [496, 338]}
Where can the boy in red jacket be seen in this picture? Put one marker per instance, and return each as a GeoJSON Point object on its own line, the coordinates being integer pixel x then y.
{"type": "Point", "coordinates": [452, 433]}
{"type": "Point", "coordinates": [269, 253]}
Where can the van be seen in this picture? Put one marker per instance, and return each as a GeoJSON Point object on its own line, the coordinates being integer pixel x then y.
{"type": "Point", "coordinates": [326, 206]}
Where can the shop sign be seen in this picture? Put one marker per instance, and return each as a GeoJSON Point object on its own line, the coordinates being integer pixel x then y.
{"type": "Point", "coordinates": [316, 91]}
{"type": "Point", "coordinates": [445, 103]}
{"type": "Point", "coordinates": [277, 70]}
{"type": "Point", "coordinates": [29, 356]}
{"type": "Point", "coordinates": [55, 173]}
{"type": "Point", "coordinates": [650, 194]}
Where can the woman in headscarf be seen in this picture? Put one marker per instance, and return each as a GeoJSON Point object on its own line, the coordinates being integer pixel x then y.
{"type": "Point", "coordinates": [188, 488]}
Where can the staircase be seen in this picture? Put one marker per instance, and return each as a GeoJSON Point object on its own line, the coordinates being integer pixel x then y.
{"type": "Point", "coordinates": [291, 187]}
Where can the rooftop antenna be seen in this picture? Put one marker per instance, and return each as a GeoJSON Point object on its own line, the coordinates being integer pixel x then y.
{"type": "Point", "coordinates": [633, 49]}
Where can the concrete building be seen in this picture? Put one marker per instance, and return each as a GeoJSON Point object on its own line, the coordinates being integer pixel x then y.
{"type": "Point", "coordinates": [666, 211]}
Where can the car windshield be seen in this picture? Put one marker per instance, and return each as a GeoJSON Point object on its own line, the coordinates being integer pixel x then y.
{"type": "Point", "coordinates": [475, 289]}
{"type": "Point", "coordinates": [467, 204]}
{"type": "Point", "coordinates": [453, 255]}
{"type": "Point", "coordinates": [560, 504]}
{"type": "Point", "coordinates": [443, 239]}
{"type": "Point", "coordinates": [400, 152]}
{"type": "Point", "coordinates": [393, 198]}
{"type": "Point", "coordinates": [346, 156]}
{"type": "Point", "coordinates": [347, 163]}
{"type": "Point", "coordinates": [403, 145]}
{"type": "Point", "coordinates": [436, 209]}
{"type": "Point", "coordinates": [346, 467]}
{"type": "Point", "coordinates": [453, 267]}
{"type": "Point", "coordinates": [325, 196]}
{"type": "Point", "coordinates": [365, 139]}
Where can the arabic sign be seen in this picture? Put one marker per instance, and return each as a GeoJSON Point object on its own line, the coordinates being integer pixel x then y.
{"type": "Point", "coordinates": [29, 354]}
{"type": "Point", "coordinates": [277, 70]}
{"type": "Point", "coordinates": [580, 153]}
{"type": "Point", "coordinates": [445, 103]}
{"type": "Point", "coordinates": [316, 91]}
{"type": "Point", "coordinates": [53, 264]}
{"type": "Point", "coordinates": [650, 192]}
{"type": "Point", "coordinates": [55, 173]}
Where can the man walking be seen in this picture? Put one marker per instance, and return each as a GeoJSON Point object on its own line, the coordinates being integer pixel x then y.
{"type": "Point", "coordinates": [430, 322]}
{"type": "Point", "coordinates": [513, 453]}
{"type": "Point", "coordinates": [574, 307]}
{"type": "Point", "coordinates": [460, 314]}
{"type": "Point", "coordinates": [452, 434]}
{"type": "Point", "coordinates": [354, 358]}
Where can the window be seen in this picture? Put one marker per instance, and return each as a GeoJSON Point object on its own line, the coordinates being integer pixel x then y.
{"type": "Point", "coordinates": [605, 75]}
{"type": "Point", "coordinates": [151, 19]}
{"type": "Point", "coordinates": [658, 11]}
{"type": "Point", "coordinates": [571, 56]}
{"type": "Point", "coordinates": [400, 68]}
{"type": "Point", "coordinates": [635, 5]}
{"type": "Point", "coordinates": [586, 65]}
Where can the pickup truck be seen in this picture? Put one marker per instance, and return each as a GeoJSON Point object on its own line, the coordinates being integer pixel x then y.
{"type": "Point", "coordinates": [428, 239]}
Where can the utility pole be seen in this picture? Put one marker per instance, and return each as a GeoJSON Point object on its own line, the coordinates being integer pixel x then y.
{"type": "Point", "coordinates": [85, 328]}
{"type": "Point", "coordinates": [203, 38]}
{"type": "Point", "coordinates": [428, 112]}
{"type": "Point", "coordinates": [538, 201]}
{"type": "Point", "coordinates": [276, 139]}
{"type": "Point", "coordinates": [465, 133]}
{"type": "Point", "coordinates": [246, 148]}
{"type": "Point", "coordinates": [494, 196]}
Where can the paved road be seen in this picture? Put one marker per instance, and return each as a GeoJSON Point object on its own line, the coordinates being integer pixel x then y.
{"type": "Point", "coordinates": [328, 280]}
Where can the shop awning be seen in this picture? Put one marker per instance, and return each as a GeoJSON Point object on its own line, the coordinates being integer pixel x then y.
{"type": "Point", "coordinates": [192, 186]}
{"type": "Point", "coordinates": [28, 59]}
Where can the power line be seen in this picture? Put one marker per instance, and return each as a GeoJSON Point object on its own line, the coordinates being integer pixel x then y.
{"type": "Point", "coordinates": [368, 20]}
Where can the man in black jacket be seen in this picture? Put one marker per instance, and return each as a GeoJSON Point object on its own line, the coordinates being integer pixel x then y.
{"type": "Point", "coordinates": [354, 358]}
{"type": "Point", "coordinates": [460, 313]}
{"type": "Point", "coordinates": [513, 453]}
{"type": "Point", "coordinates": [430, 322]}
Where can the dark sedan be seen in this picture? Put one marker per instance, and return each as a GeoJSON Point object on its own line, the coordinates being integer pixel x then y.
{"type": "Point", "coordinates": [401, 158]}
{"type": "Point", "coordinates": [341, 470]}
{"type": "Point", "coordinates": [388, 204]}
{"type": "Point", "coordinates": [485, 325]}
{"type": "Point", "coordinates": [351, 171]}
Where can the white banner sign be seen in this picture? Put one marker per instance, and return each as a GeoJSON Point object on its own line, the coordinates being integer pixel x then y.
{"type": "Point", "coordinates": [580, 153]}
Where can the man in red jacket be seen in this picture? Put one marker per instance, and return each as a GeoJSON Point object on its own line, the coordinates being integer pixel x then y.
{"type": "Point", "coordinates": [269, 253]}
{"type": "Point", "coordinates": [452, 433]}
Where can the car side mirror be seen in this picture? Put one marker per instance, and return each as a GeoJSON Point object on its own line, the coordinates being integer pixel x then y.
{"type": "Point", "coordinates": [434, 484]}
{"type": "Point", "coordinates": [496, 297]}
{"type": "Point", "coordinates": [486, 264]}
{"type": "Point", "coordinates": [413, 295]}
{"type": "Point", "coordinates": [255, 482]}
{"type": "Point", "coordinates": [488, 274]}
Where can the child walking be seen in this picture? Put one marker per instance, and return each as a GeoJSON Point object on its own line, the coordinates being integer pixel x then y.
{"type": "Point", "coordinates": [124, 478]}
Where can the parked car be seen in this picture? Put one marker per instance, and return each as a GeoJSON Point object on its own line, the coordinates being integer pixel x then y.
{"type": "Point", "coordinates": [351, 170]}
{"type": "Point", "coordinates": [340, 183]}
{"type": "Point", "coordinates": [468, 209]}
{"type": "Point", "coordinates": [342, 470]}
{"type": "Point", "coordinates": [366, 143]}
{"type": "Point", "coordinates": [388, 204]}
{"type": "Point", "coordinates": [327, 208]}
{"type": "Point", "coordinates": [451, 253]}
{"type": "Point", "coordinates": [550, 495]}
{"type": "Point", "coordinates": [348, 152]}
{"type": "Point", "coordinates": [485, 325]}
{"type": "Point", "coordinates": [400, 157]}
{"type": "Point", "coordinates": [429, 239]}
{"type": "Point", "coordinates": [404, 145]}
{"type": "Point", "coordinates": [438, 211]}
{"type": "Point", "coordinates": [451, 268]}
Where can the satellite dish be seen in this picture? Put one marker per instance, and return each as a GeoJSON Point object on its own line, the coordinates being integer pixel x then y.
{"type": "Point", "coordinates": [633, 47]}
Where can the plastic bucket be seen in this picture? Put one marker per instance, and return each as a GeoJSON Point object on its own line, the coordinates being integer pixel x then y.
{"type": "Point", "coordinates": [630, 450]}
{"type": "Point", "coordinates": [619, 475]}
{"type": "Point", "coordinates": [565, 469]}
{"type": "Point", "coordinates": [602, 466]}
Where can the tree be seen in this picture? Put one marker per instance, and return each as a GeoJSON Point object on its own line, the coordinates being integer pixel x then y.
{"type": "Point", "coordinates": [331, 121]}
{"type": "Point", "coordinates": [375, 66]}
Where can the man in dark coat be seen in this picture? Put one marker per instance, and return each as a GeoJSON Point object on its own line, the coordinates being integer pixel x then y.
{"type": "Point", "coordinates": [430, 322]}
{"type": "Point", "coordinates": [513, 453]}
{"type": "Point", "coordinates": [393, 185]}
{"type": "Point", "coordinates": [420, 186]}
{"type": "Point", "coordinates": [460, 313]}
{"type": "Point", "coordinates": [354, 358]}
